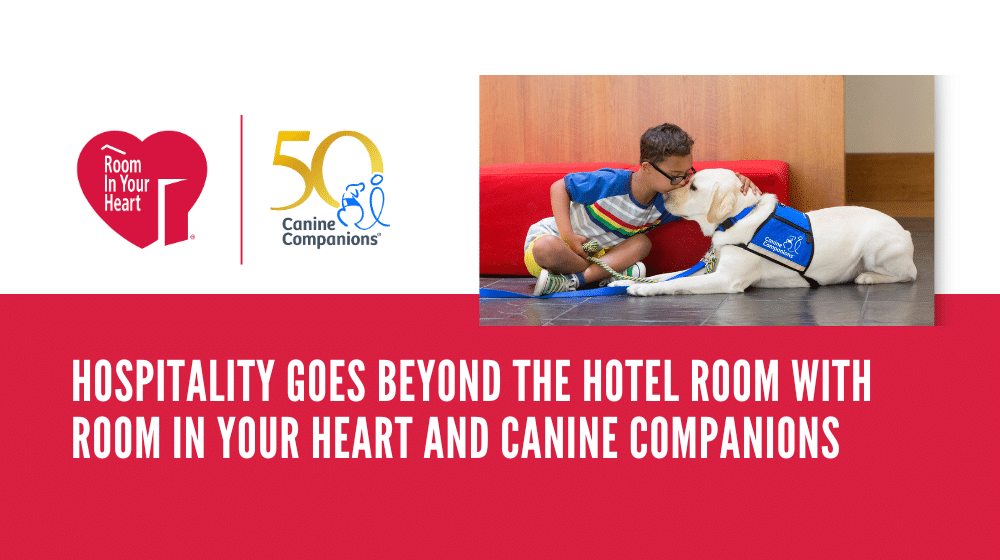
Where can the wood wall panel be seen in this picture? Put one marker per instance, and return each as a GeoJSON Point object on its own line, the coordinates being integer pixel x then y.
{"type": "Point", "coordinates": [797, 119]}
{"type": "Point", "coordinates": [901, 185]}
{"type": "Point", "coordinates": [890, 177]}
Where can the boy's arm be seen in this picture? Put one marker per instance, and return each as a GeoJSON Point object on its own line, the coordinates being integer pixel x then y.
{"type": "Point", "coordinates": [560, 210]}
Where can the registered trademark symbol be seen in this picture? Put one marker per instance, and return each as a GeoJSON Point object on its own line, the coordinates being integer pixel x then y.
{"type": "Point", "coordinates": [192, 236]}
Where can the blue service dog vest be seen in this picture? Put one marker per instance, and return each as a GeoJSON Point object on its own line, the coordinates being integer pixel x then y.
{"type": "Point", "coordinates": [785, 238]}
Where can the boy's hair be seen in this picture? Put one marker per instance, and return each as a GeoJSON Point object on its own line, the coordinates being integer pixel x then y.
{"type": "Point", "coordinates": [660, 142]}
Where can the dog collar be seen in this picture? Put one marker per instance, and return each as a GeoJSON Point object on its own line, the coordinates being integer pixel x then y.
{"type": "Point", "coordinates": [732, 221]}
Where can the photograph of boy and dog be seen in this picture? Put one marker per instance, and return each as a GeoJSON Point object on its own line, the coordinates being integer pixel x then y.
{"type": "Point", "coordinates": [706, 191]}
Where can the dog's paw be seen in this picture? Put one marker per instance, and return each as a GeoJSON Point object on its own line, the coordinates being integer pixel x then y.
{"type": "Point", "coordinates": [617, 283]}
{"type": "Point", "coordinates": [864, 278]}
{"type": "Point", "coordinates": [876, 278]}
{"type": "Point", "coordinates": [644, 290]}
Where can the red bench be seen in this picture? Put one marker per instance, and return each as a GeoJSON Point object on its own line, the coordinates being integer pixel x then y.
{"type": "Point", "coordinates": [514, 196]}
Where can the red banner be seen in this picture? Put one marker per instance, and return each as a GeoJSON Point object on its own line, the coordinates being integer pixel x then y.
{"type": "Point", "coordinates": [746, 469]}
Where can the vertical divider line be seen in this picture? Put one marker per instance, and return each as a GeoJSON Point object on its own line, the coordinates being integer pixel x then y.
{"type": "Point", "coordinates": [241, 189]}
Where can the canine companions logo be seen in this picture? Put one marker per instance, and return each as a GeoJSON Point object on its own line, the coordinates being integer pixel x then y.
{"type": "Point", "coordinates": [131, 182]}
{"type": "Point", "coordinates": [360, 205]}
{"type": "Point", "coordinates": [789, 248]}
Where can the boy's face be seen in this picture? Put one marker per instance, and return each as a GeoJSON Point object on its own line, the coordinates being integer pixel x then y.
{"type": "Point", "coordinates": [678, 168]}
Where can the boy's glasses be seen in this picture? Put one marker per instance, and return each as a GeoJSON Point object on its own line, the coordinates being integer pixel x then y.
{"type": "Point", "coordinates": [674, 180]}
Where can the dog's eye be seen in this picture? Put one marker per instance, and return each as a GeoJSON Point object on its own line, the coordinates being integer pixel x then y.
{"type": "Point", "coordinates": [694, 188]}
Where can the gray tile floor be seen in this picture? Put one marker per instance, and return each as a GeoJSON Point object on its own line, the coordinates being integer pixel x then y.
{"type": "Point", "coordinates": [846, 304]}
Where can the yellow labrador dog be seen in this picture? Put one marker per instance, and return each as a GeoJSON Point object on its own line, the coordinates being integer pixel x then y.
{"type": "Point", "coordinates": [849, 243]}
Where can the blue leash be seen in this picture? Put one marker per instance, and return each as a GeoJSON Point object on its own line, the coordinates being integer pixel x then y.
{"type": "Point", "coordinates": [618, 290]}
{"type": "Point", "coordinates": [609, 291]}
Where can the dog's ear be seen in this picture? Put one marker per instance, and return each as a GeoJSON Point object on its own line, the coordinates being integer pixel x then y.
{"type": "Point", "coordinates": [723, 202]}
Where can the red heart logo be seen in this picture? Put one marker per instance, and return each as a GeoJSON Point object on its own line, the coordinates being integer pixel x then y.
{"type": "Point", "coordinates": [121, 177]}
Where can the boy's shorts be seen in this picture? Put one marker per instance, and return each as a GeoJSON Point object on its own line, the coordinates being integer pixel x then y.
{"type": "Point", "coordinates": [544, 227]}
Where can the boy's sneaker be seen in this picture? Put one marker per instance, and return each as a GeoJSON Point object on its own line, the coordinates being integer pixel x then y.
{"type": "Point", "coordinates": [550, 283]}
{"type": "Point", "coordinates": [637, 270]}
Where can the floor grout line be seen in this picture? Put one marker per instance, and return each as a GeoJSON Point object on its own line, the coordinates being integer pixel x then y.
{"type": "Point", "coordinates": [864, 306]}
{"type": "Point", "coordinates": [568, 309]}
{"type": "Point", "coordinates": [716, 310]}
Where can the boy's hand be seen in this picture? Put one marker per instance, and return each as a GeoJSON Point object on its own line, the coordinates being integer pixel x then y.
{"type": "Point", "coordinates": [747, 185]}
{"type": "Point", "coordinates": [575, 243]}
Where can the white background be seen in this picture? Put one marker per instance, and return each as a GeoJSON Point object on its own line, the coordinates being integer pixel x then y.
{"type": "Point", "coordinates": [406, 76]}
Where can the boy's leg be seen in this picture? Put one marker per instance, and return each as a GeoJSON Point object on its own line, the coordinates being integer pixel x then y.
{"type": "Point", "coordinates": [552, 254]}
{"type": "Point", "coordinates": [556, 266]}
{"type": "Point", "coordinates": [619, 257]}
{"type": "Point", "coordinates": [548, 255]}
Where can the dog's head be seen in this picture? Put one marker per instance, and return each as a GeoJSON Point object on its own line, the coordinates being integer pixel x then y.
{"type": "Point", "coordinates": [712, 196]}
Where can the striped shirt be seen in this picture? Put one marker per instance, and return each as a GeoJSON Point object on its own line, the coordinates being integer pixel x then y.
{"type": "Point", "coordinates": [603, 209]}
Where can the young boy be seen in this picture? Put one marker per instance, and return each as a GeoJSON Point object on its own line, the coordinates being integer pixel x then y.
{"type": "Point", "coordinates": [614, 207]}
